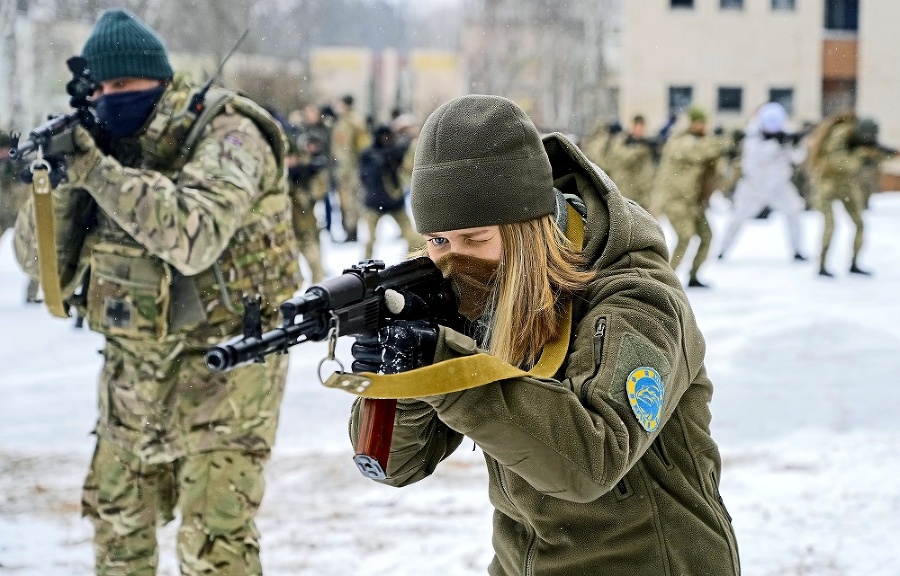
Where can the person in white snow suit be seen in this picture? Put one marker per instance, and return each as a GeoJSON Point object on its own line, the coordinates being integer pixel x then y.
{"type": "Point", "coordinates": [769, 154]}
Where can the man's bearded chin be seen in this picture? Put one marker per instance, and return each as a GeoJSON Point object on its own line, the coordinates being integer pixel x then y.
{"type": "Point", "coordinates": [473, 281]}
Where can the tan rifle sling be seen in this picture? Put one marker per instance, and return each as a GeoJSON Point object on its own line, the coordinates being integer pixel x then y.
{"type": "Point", "coordinates": [46, 239]}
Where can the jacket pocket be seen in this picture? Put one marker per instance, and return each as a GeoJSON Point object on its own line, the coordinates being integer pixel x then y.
{"type": "Point", "coordinates": [128, 292]}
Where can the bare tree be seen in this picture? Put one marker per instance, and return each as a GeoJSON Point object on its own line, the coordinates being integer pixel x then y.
{"type": "Point", "coordinates": [548, 55]}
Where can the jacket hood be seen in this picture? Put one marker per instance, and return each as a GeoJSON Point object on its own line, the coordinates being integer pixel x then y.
{"type": "Point", "coordinates": [615, 225]}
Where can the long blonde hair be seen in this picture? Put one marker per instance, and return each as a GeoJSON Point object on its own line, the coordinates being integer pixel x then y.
{"type": "Point", "coordinates": [539, 271]}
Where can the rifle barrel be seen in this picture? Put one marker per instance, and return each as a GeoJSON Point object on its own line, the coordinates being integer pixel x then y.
{"type": "Point", "coordinates": [42, 135]}
{"type": "Point", "coordinates": [242, 350]}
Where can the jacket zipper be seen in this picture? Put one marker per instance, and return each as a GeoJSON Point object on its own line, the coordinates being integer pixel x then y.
{"type": "Point", "coordinates": [529, 554]}
{"type": "Point", "coordinates": [599, 340]}
{"type": "Point", "coordinates": [528, 560]}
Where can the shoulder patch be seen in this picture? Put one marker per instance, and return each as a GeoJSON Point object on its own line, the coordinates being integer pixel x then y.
{"type": "Point", "coordinates": [645, 391]}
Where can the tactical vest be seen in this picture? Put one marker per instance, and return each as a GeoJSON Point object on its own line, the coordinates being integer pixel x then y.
{"type": "Point", "coordinates": [133, 294]}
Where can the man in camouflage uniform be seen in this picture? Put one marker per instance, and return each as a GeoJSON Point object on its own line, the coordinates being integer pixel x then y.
{"type": "Point", "coordinates": [12, 196]}
{"type": "Point", "coordinates": [349, 138]}
{"type": "Point", "coordinates": [839, 149]}
{"type": "Point", "coordinates": [308, 178]}
{"type": "Point", "coordinates": [159, 233]}
{"type": "Point", "coordinates": [685, 181]}
{"type": "Point", "coordinates": [631, 163]}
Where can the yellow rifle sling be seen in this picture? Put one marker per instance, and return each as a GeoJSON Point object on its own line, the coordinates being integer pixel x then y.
{"type": "Point", "coordinates": [46, 242]}
{"type": "Point", "coordinates": [466, 371]}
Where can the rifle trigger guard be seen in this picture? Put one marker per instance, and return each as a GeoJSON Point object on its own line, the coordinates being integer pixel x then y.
{"type": "Point", "coordinates": [332, 344]}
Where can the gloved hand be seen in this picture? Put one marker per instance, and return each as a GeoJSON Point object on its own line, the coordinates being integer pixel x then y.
{"type": "Point", "coordinates": [85, 159]}
{"type": "Point", "coordinates": [400, 346]}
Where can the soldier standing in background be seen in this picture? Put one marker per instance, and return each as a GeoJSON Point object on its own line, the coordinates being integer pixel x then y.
{"type": "Point", "coordinates": [379, 172]}
{"type": "Point", "coordinates": [839, 148]}
{"type": "Point", "coordinates": [631, 163]}
{"type": "Point", "coordinates": [688, 165]}
{"type": "Point", "coordinates": [349, 138]}
{"type": "Point", "coordinates": [12, 195]}
{"type": "Point", "coordinates": [408, 138]}
{"type": "Point", "coordinates": [767, 160]}
{"type": "Point", "coordinates": [173, 239]}
{"type": "Point", "coordinates": [308, 178]}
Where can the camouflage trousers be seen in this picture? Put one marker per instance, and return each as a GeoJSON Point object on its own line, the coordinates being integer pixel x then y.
{"type": "Point", "coordinates": [217, 494]}
{"type": "Point", "coordinates": [413, 239]}
{"type": "Point", "coordinates": [687, 225]}
{"type": "Point", "coordinates": [306, 229]}
{"type": "Point", "coordinates": [348, 189]}
{"type": "Point", "coordinates": [854, 203]}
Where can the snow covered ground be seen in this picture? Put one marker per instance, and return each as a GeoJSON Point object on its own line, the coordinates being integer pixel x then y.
{"type": "Point", "coordinates": [805, 412]}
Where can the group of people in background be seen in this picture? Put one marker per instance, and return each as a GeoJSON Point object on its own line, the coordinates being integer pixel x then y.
{"type": "Point", "coordinates": [365, 166]}
{"type": "Point", "coordinates": [759, 169]}
{"type": "Point", "coordinates": [335, 155]}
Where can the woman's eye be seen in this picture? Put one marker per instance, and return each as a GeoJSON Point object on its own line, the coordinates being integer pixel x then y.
{"type": "Point", "coordinates": [437, 241]}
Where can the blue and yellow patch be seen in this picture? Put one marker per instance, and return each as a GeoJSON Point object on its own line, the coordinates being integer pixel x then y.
{"type": "Point", "coordinates": [645, 394]}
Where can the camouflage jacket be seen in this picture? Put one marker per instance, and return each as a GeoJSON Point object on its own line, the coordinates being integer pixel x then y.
{"type": "Point", "coordinates": [156, 252]}
{"type": "Point", "coordinates": [580, 481]}
{"type": "Point", "coordinates": [837, 166]}
{"type": "Point", "coordinates": [632, 167]}
{"type": "Point", "coordinates": [686, 164]}
{"type": "Point", "coordinates": [349, 138]}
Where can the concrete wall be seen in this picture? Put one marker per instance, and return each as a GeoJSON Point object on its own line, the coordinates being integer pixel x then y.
{"type": "Point", "coordinates": [878, 78]}
{"type": "Point", "coordinates": [707, 47]}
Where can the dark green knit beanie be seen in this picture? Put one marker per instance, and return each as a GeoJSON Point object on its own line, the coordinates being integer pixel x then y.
{"type": "Point", "coordinates": [121, 46]}
{"type": "Point", "coordinates": [479, 162]}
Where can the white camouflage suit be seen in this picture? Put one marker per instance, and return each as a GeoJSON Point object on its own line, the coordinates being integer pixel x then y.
{"type": "Point", "coordinates": [766, 168]}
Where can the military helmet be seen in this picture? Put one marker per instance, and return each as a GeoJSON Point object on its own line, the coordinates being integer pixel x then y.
{"type": "Point", "coordinates": [866, 132]}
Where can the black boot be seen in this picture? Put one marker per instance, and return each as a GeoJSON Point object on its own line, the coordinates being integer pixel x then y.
{"type": "Point", "coordinates": [826, 273]}
{"type": "Point", "coordinates": [854, 269]}
{"type": "Point", "coordinates": [800, 257]}
{"type": "Point", "coordinates": [694, 283]}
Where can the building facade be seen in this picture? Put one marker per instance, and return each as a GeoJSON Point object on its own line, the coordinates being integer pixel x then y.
{"type": "Point", "coordinates": [730, 56]}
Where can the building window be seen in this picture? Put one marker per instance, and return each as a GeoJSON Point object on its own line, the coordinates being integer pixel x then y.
{"type": "Point", "coordinates": [784, 5]}
{"type": "Point", "coordinates": [682, 3]}
{"type": "Point", "coordinates": [680, 98]}
{"type": "Point", "coordinates": [731, 4]}
{"type": "Point", "coordinates": [730, 99]}
{"type": "Point", "coordinates": [785, 97]}
{"type": "Point", "coordinates": [842, 15]}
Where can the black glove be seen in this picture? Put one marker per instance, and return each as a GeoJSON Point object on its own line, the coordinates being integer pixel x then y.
{"type": "Point", "coordinates": [400, 346]}
{"type": "Point", "coordinates": [57, 171]}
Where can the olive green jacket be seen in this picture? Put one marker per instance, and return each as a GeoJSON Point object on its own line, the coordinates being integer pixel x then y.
{"type": "Point", "coordinates": [578, 484]}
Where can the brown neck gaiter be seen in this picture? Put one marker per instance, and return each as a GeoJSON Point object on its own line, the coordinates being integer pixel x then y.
{"type": "Point", "coordinates": [473, 281]}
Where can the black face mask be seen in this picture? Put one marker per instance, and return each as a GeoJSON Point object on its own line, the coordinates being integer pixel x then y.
{"type": "Point", "coordinates": [123, 114]}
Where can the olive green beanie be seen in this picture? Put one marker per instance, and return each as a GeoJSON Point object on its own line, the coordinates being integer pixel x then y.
{"type": "Point", "coordinates": [121, 46]}
{"type": "Point", "coordinates": [479, 162]}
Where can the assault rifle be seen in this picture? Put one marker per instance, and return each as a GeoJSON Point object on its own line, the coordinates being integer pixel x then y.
{"type": "Point", "coordinates": [351, 304]}
{"type": "Point", "coordinates": [55, 135]}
